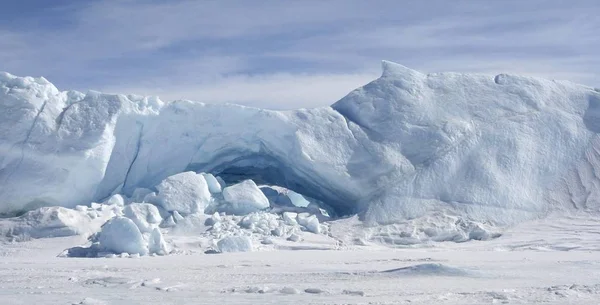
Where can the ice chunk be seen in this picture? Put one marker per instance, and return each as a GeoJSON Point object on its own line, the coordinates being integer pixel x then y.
{"type": "Point", "coordinates": [279, 231]}
{"type": "Point", "coordinates": [121, 235]}
{"type": "Point", "coordinates": [186, 193]}
{"type": "Point", "coordinates": [144, 215]}
{"type": "Point", "coordinates": [243, 198]}
{"type": "Point", "coordinates": [235, 244]}
{"type": "Point", "coordinates": [177, 217]}
{"type": "Point", "coordinates": [215, 218]}
{"type": "Point", "coordinates": [222, 182]}
{"type": "Point", "coordinates": [169, 222]}
{"type": "Point", "coordinates": [297, 199]}
{"type": "Point", "coordinates": [314, 290]}
{"type": "Point", "coordinates": [290, 218]}
{"type": "Point", "coordinates": [213, 184]}
{"type": "Point", "coordinates": [311, 223]}
{"type": "Point", "coordinates": [191, 224]}
{"type": "Point", "coordinates": [157, 244]}
{"type": "Point", "coordinates": [289, 290]}
{"type": "Point", "coordinates": [116, 199]}
{"type": "Point", "coordinates": [260, 222]}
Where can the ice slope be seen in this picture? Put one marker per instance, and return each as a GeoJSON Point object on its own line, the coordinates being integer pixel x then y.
{"type": "Point", "coordinates": [498, 149]}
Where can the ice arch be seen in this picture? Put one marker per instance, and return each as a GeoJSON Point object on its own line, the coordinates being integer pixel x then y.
{"type": "Point", "coordinates": [499, 149]}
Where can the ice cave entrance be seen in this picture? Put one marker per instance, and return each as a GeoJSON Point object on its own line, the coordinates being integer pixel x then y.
{"type": "Point", "coordinates": [283, 186]}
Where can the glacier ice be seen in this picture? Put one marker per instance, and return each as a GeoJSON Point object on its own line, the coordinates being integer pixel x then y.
{"type": "Point", "coordinates": [493, 149]}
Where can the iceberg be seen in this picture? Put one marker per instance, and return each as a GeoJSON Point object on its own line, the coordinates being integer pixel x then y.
{"type": "Point", "coordinates": [497, 149]}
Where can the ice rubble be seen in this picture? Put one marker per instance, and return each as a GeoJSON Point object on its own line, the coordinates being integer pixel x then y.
{"type": "Point", "coordinates": [136, 228]}
{"type": "Point", "coordinates": [122, 227]}
{"type": "Point", "coordinates": [482, 149]}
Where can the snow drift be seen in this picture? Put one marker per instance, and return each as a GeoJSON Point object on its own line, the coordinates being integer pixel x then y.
{"type": "Point", "coordinates": [497, 149]}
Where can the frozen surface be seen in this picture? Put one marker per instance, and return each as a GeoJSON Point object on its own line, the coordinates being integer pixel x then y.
{"type": "Point", "coordinates": [552, 261]}
{"type": "Point", "coordinates": [490, 149]}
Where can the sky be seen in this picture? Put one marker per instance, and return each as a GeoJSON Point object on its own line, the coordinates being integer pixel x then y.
{"type": "Point", "coordinates": [290, 54]}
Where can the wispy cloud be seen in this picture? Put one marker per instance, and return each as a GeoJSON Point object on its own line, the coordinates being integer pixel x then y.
{"type": "Point", "coordinates": [284, 54]}
{"type": "Point", "coordinates": [272, 91]}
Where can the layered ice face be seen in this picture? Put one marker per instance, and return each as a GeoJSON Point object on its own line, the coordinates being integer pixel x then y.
{"type": "Point", "coordinates": [499, 149]}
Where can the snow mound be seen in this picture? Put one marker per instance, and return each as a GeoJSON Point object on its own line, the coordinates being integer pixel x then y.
{"type": "Point", "coordinates": [435, 227]}
{"type": "Point", "coordinates": [488, 149]}
{"type": "Point", "coordinates": [55, 222]}
{"type": "Point", "coordinates": [428, 269]}
{"type": "Point", "coordinates": [235, 244]}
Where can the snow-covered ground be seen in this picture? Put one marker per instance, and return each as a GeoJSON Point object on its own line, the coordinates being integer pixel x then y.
{"type": "Point", "coordinates": [550, 261]}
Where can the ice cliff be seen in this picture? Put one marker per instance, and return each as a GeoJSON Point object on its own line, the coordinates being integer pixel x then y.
{"type": "Point", "coordinates": [498, 149]}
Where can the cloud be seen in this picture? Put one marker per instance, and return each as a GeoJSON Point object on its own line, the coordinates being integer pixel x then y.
{"type": "Point", "coordinates": [257, 54]}
{"type": "Point", "coordinates": [272, 91]}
